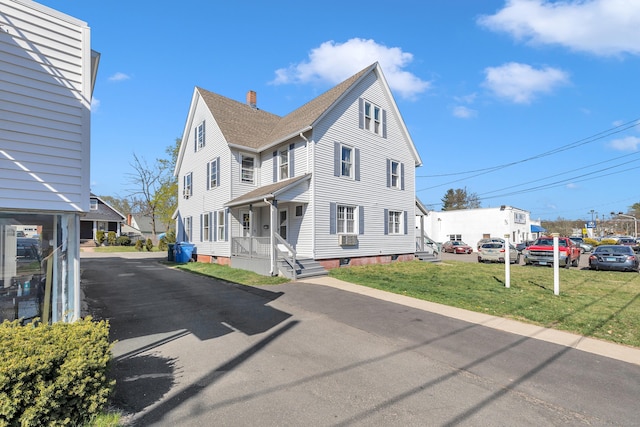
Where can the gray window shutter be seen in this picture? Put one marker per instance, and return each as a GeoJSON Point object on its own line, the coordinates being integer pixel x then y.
{"type": "Point", "coordinates": [333, 215]}
{"type": "Point", "coordinates": [386, 221]}
{"type": "Point", "coordinates": [356, 161]}
{"type": "Point", "coordinates": [402, 176]}
{"type": "Point", "coordinates": [215, 227]}
{"type": "Point", "coordinates": [195, 139]}
{"type": "Point", "coordinates": [361, 219]}
{"type": "Point", "coordinates": [360, 113]}
{"type": "Point", "coordinates": [291, 169]}
{"type": "Point", "coordinates": [384, 123]}
{"type": "Point", "coordinates": [226, 224]}
{"type": "Point", "coordinates": [209, 176]}
{"type": "Point", "coordinates": [201, 224]}
{"type": "Point", "coordinates": [275, 166]}
{"type": "Point", "coordinates": [388, 173]}
{"type": "Point", "coordinates": [406, 226]}
{"type": "Point", "coordinates": [218, 172]}
{"type": "Point", "coordinates": [336, 159]}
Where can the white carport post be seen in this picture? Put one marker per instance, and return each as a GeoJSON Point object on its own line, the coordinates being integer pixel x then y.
{"type": "Point", "coordinates": [556, 267]}
{"type": "Point", "coordinates": [507, 262]}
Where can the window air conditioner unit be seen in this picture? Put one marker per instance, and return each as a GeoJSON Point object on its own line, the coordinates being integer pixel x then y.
{"type": "Point", "coordinates": [347, 239]}
{"type": "Point", "coordinates": [186, 193]}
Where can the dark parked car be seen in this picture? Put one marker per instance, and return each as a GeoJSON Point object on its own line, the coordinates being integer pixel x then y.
{"type": "Point", "coordinates": [523, 245]}
{"type": "Point", "coordinates": [457, 247]}
{"type": "Point", "coordinates": [614, 257]}
{"type": "Point", "coordinates": [629, 241]}
{"type": "Point", "coordinates": [27, 248]}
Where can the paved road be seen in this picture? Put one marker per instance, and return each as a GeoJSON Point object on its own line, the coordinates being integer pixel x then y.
{"type": "Point", "coordinates": [193, 351]}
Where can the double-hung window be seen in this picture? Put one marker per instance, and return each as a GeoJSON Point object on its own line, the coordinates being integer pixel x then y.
{"type": "Point", "coordinates": [372, 118]}
{"type": "Point", "coordinates": [206, 227]}
{"type": "Point", "coordinates": [346, 161]}
{"type": "Point", "coordinates": [395, 174]}
{"type": "Point", "coordinates": [247, 169]}
{"type": "Point", "coordinates": [283, 156]}
{"type": "Point", "coordinates": [346, 221]}
{"type": "Point", "coordinates": [220, 228]}
{"type": "Point", "coordinates": [213, 173]}
{"type": "Point", "coordinates": [187, 185]}
{"type": "Point", "coordinates": [394, 223]}
{"type": "Point", "coordinates": [187, 229]}
{"type": "Point", "coordinates": [198, 137]}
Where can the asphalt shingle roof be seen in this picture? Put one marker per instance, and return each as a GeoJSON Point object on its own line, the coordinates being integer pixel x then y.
{"type": "Point", "coordinates": [244, 125]}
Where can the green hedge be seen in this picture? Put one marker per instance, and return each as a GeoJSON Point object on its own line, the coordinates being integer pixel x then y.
{"type": "Point", "coordinates": [53, 374]}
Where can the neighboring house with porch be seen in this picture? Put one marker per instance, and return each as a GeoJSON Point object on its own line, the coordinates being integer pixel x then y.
{"type": "Point", "coordinates": [332, 183]}
{"type": "Point", "coordinates": [101, 217]}
{"type": "Point", "coordinates": [47, 75]}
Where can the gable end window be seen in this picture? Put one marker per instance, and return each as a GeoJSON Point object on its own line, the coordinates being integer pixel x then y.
{"type": "Point", "coordinates": [395, 174]}
{"type": "Point", "coordinates": [372, 117]}
{"type": "Point", "coordinates": [198, 137]}
{"type": "Point", "coordinates": [187, 188]}
{"type": "Point", "coordinates": [213, 173]}
{"type": "Point", "coordinates": [94, 204]}
{"type": "Point", "coordinates": [346, 161]}
{"type": "Point", "coordinates": [247, 169]}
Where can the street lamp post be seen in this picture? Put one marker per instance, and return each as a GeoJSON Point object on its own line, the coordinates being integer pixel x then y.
{"type": "Point", "coordinates": [635, 222]}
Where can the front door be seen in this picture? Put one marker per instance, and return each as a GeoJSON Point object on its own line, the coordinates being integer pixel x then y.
{"type": "Point", "coordinates": [245, 219]}
{"type": "Point", "coordinates": [283, 223]}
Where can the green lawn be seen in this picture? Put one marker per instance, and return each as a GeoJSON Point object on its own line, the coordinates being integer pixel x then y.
{"type": "Point", "coordinates": [598, 304]}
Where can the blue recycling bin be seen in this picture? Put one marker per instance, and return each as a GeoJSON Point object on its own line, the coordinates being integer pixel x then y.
{"type": "Point", "coordinates": [183, 252]}
{"type": "Point", "coordinates": [171, 256]}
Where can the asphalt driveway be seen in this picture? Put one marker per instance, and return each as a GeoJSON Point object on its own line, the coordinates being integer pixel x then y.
{"type": "Point", "coordinates": [192, 351]}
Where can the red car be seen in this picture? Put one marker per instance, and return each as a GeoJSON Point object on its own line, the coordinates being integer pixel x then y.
{"type": "Point", "coordinates": [457, 247]}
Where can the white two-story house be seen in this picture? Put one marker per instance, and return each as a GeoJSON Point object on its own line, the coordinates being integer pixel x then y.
{"type": "Point", "coordinates": [331, 183]}
{"type": "Point", "coordinates": [47, 74]}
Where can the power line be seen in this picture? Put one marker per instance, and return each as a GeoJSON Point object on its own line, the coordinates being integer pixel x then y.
{"type": "Point", "coordinates": [588, 140]}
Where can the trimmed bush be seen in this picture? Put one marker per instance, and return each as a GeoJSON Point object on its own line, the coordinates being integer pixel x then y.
{"type": "Point", "coordinates": [111, 238]}
{"type": "Point", "coordinates": [100, 237]}
{"type": "Point", "coordinates": [149, 245]}
{"type": "Point", "coordinates": [140, 244]}
{"type": "Point", "coordinates": [53, 374]}
{"type": "Point", "coordinates": [123, 241]}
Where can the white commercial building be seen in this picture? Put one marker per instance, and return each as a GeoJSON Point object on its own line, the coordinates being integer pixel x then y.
{"type": "Point", "coordinates": [471, 225]}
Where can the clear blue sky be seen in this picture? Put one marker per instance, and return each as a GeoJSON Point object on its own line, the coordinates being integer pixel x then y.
{"type": "Point", "coordinates": [527, 103]}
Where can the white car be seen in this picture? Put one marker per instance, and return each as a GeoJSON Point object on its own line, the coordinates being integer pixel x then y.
{"type": "Point", "coordinates": [495, 252]}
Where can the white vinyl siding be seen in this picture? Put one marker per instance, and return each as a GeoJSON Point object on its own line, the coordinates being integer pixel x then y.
{"type": "Point", "coordinates": [45, 95]}
{"type": "Point", "coordinates": [367, 192]}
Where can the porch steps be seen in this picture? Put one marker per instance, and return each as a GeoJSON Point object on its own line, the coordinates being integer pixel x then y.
{"type": "Point", "coordinates": [427, 256]}
{"type": "Point", "coordinates": [304, 268]}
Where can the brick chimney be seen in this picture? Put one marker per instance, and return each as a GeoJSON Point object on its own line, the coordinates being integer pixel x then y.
{"type": "Point", "coordinates": [252, 99]}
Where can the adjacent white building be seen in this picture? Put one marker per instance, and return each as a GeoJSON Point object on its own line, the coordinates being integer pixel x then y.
{"type": "Point", "coordinates": [47, 74]}
{"type": "Point", "coordinates": [471, 225]}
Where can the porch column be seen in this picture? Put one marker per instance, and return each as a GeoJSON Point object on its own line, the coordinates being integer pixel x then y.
{"type": "Point", "coordinates": [421, 233]}
{"type": "Point", "coordinates": [250, 230]}
{"type": "Point", "coordinates": [273, 215]}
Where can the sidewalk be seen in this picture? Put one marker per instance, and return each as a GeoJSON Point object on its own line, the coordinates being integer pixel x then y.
{"type": "Point", "coordinates": [590, 345]}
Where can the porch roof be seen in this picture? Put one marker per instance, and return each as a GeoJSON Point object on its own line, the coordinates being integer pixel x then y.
{"type": "Point", "coordinates": [270, 191]}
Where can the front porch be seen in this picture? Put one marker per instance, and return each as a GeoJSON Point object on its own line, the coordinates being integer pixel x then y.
{"type": "Point", "coordinates": [255, 254]}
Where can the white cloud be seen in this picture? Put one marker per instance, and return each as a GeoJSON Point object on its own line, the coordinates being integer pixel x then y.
{"type": "Point", "coordinates": [118, 77]}
{"type": "Point", "coordinates": [95, 104]}
{"type": "Point", "coordinates": [601, 27]}
{"type": "Point", "coordinates": [334, 62]}
{"type": "Point", "coordinates": [572, 186]}
{"type": "Point", "coordinates": [521, 83]}
{"type": "Point", "coordinates": [463, 112]}
{"type": "Point", "coordinates": [629, 143]}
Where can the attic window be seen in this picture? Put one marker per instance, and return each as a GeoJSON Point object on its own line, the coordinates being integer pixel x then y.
{"type": "Point", "coordinates": [198, 136]}
{"type": "Point", "coordinates": [94, 204]}
{"type": "Point", "coordinates": [372, 118]}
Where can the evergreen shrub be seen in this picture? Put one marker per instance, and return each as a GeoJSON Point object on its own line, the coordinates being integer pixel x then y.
{"type": "Point", "coordinates": [53, 374]}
